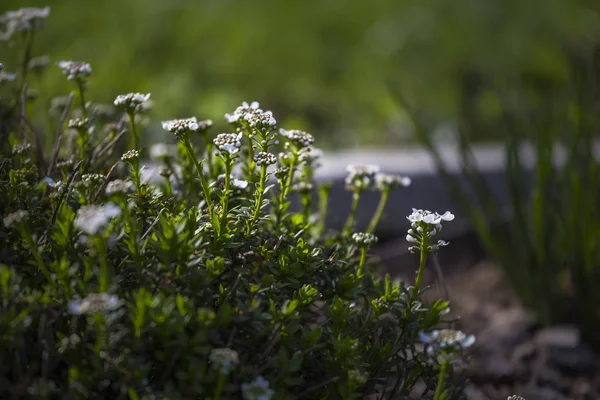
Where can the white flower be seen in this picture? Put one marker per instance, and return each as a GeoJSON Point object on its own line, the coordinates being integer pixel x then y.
{"type": "Point", "coordinates": [411, 239]}
{"type": "Point", "coordinates": [364, 239]}
{"type": "Point", "coordinates": [513, 397]}
{"type": "Point", "coordinates": [224, 359]}
{"type": "Point", "coordinates": [303, 187]}
{"type": "Point", "coordinates": [130, 155]}
{"type": "Point", "coordinates": [7, 77]}
{"type": "Point", "coordinates": [360, 176]}
{"type": "Point", "coordinates": [264, 158]}
{"type": "Point", "coordinates": [24, 19]}
{"type": "Point", "coordinates": [21, 148]}
{"type": "Point", "coordinates": [228, 142]}
{"type": "Point", "coordinates": [242, 111]}
{"type": "Point", "coordinates": [120, 186]}
{"type": "Point", "coordinates": [239, 183]}
{"type": "Point", "coordinates": [447, 216]}
{"type": "Point", "coordinates": [447, 339]}
{"type": "Point", "coordinates": [94, 303]}
{"type": "Point", "coordinates": [298, 137]}
{"type": "Point", "coordinates": [94, 219]}
{"type": "Point", "coordinates": [75, 70]}
{"type": "Point", "coordinates": [257, 390]}
{"type": "Point", "coordinates": [15, 218]}
{"type": "Point", "coordinates": [310, 157]}
{"type": "Point", "coordinates": [131, 102]}
{"type": "Point", "coordinates": [91, 180]}
{"type": "Point", "coordinates": [260, 120]}
{"type": "Point", "coordinates": [181, 127]}
{"type": "Point", "coordinates": [389, 182]}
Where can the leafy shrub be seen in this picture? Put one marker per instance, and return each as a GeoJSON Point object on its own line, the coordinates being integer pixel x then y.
{"type": "Point", "coordinates": [199, 281]}
{"type": "Point", "coordinates": [550, 249]}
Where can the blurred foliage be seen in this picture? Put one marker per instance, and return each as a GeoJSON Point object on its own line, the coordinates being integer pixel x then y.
{"type": "Point", "coordinates": [550, 248]}
{"type": "Point", "coordinates": [328, 61]}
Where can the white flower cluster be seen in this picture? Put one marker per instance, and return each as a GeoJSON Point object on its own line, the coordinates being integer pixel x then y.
{"type": "Point", "coordinates": [15, 218]}
{"type": "Point", "coordinates": [513, 397]}
{"type": "Point", "coordinates": [253, 116]}
{"type": "Point", "coordinates": [21, 148]}
{"type": "Point", "coordinates": [65, 164]}
{"type": "Point", "coordinates": [224, 359]}
{"type": "Point", "coordinates": [303, 187]}
{"type": "Point", "coordinates": [228, 142]}
{"type": "Point", "coordinates": [428, 223]}
{"type": "Point", "coordinates": [79, 123]}
{"type": "Point", "coordinates": [59, 189]}
{"type": "Point", "coordinates": [237, 183]}
{"type": "Point", "coordinates": [91, 180]}
{"type": "Point", "coordinates": [264, 158]}
{"type": "Point", "coordinates": [446, 345]}
{"type": "Point", "coordinates": [360, 177]}
{"type": "Point", "coordinates": [119, 186]}
{"type": "Point", "coordinates": [310, 157]}
{"type": "Point", "coordinates": [257, 390]}
{"type": "Point", "coordinates": [24, 19]}
{"type": "Point", "coordinates": [364, 239]}
{"type": "Point", "coordinates": [300, 138]}
{"type": "Point", "coordinates": [386, 182]}
{"type": "Point", "coordinates": [130, 155]}
{"type": "Point", "coordinates": [131, 102]}
{"type": "Point", "coordinates": [181, 127]}
{"type": "Point", "coordinates": [94, 219]}
{"type": "Point", "coordinates": [75, 70]}
{"type": "Point", "coordinates": [94, 303]}
{"type": "Point", "coordinates": [7, 77]}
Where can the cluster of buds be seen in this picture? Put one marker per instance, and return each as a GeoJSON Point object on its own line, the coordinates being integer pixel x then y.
{"type": "Point", "coordinates": [257, 390]}
{"type": "Point", "coordinates": [253, 117]}
{"type": "Point", "coordinates": [446, 344]}
{"type": "Point", "coordinates": [132, 102]}
{"type": "Point", "coordinates": [514, 397]}
{"type": "Point", "coordinates": [94, 303]}
{"type": "Point", "coordinates": [386, 182]}
{"type": "Point", "coordinates": [120, 186]}
{"type": "Point", "coordinates": [360, 177]}
{"type": "Point", "coordinates": [425, 224]}
{"type": "Point", "coordinates": [75, 70]}
{"type": "Point", "coordinates": [281, 173]}
{"type": "Point", "coordinates": [181, 128]}
{"type": "Point", "coordinates": [224, 360]}
{"type": "Point", "coordinates": [130, 156]}
{"type": "Point", "coordinates": [364, 239]}
{"type": "Point", "coordinates": [310, 157]}
{"type": "Point", "coordinates": [79, 124]}
{"type": "Point", "coordinates": [264, 158]}
{"type": "Point", "coordinates": [23, 20]}
{"type": "Point", "coordinates": [303, 187]}
{"type": "Point", "coordinates": [15, 218]}
{"type": "Point", "coordinates": [243, 110]}
{"type": "Point", "coordinates": [91, 180]}
{"type": "Point", "coordinates": [298, 138]}
{"type": "Point", "coordinates": [21, 148]}
{"type": "Point", "coordinates": [228, 143]}
{"type": "Point", "coordinates": [92, 220]}
{"type": "Point", "coordinates": [59, 189]}
{"type": "Point", "coordinates": [64, 164]}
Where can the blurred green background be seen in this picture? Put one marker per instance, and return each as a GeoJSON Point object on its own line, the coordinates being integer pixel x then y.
{"type": "Point", "coordinates": [321, 65]}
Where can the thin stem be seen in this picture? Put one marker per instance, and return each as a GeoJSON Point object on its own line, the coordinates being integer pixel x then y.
{"type": "Point", "coordinates": [439, 389]}
{"type": "Point", "coordinates": [219, 388]}
{"type": "Point", "coordinates": [351, 221]}
{"type": "Point", "coordinates": [134, 132]}
{"type": "Point", "coordinates": [103, 280]}
{"type": "Point", "coordinates": [324, 191]}
{"type": "Point", "coordinates": [363, 259]}
{"type": "Point", "coordinates": [285, 188]}
{"type": "Point", "coordinates": [422, 261]}
{"type": "Point", "coordinates": [378, 211]}
{"type": "Point", "coordinates": [225, 198]}
{"type": "Point", "coordinates": [203, 183]}
{"type": "Point", "coordinates": [250, 160]}
{"type": "Point", "coordinates": [259, 198]}
{"type": "Point", "coordinates": [80, 90]}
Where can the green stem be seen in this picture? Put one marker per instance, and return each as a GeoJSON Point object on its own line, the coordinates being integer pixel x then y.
{"type": "Point", "coordinates": [285, 188]}
{"type": "Point", "coordinates": [439, 389]}
{"type": "Point", "coordinates": [103, 280]}
{"type": "Point", "coordinates": [422, 261]}
{"type": "Point", "coordinates": [225, 198]}
{"type": "Point", "coordinates": [80, 89]}
{"type": "Point", "coordinates": [203, 183]}
{"type": "Point", "coordinates": [136, 176]}
{"type": "Point", "coordinates": [324, 191]}
{"type": "Point", "coordinates": [363, 259]}
{"type": "Point", "coordinates": [250, 160]}
{"type": "Point", "coordinates": [306, 205]}
{"type": "Point", "coordinates": [351, 221]}
{"type": "Point", "coordinates": [259, 198]}
{"type": "Point", "coordinates": [134, 132]}
{"type": "Point", "coordinates": [378, 211]}
{"type": "Point", "coordinates": [36, 253]}
{"type": "Point", "coordinates": [219, 388]}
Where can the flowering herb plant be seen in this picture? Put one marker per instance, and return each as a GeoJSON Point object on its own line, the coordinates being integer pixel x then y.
{"type": "Point", "coordinates": [199, 281]}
